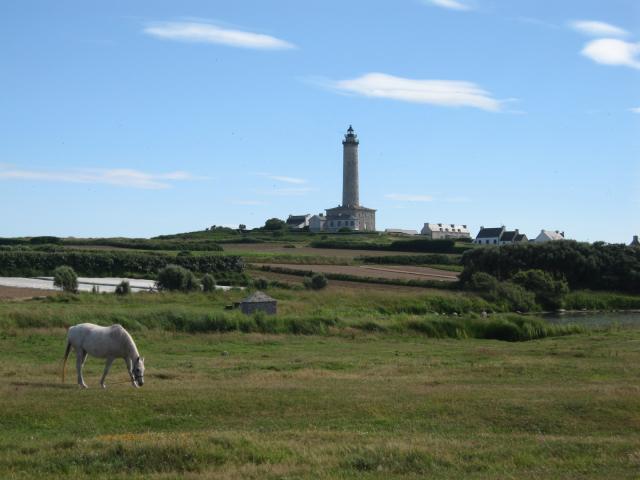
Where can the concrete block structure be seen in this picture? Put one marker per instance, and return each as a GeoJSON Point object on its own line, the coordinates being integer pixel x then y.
{"type": "Point", "coordinates": [259, 302]}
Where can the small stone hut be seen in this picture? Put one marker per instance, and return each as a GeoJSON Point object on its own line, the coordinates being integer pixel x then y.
{"type": "Point", "coordinates": [259, 302]}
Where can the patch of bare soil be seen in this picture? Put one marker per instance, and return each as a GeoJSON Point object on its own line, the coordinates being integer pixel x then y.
{"type": "Point", "coordinates": [14, 293]}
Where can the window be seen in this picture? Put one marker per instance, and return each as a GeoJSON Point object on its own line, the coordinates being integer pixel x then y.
{"type": "Point", "coordinates": [495, 241]}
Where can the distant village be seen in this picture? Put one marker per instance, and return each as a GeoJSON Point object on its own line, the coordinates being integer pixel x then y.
{"type": "Point", "coordinates": [351, 216]}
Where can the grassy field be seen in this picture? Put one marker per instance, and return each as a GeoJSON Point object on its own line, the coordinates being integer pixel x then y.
{"type": "Point", "coordinates": [348, 406]}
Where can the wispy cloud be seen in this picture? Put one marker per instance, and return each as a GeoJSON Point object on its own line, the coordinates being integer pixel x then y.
{"type": "Point", "coordinates": [403, 197]}
{"type": "Point", "coordinates": [597, 29]}
{"type": "Point", "coordinates": [287, 192]}
{"type": "Point", "coordinates": [635, 110]}
{"type": "Point", "coordinates": [248, 202]}
{"type": "Point", "coordinates": [122, 177]}
{"type": "Point", "coordinates": [612, 51]}
{"type": "Point", "coordinates": [282, 178]}
{"type": "Point", "coordinates": [208, 33]}
{"type": "Point", "coordinates": [450, 4]}
{"type": "Point", "coordinates": [449, 93]}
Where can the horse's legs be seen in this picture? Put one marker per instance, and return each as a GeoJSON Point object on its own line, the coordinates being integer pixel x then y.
{"type": "Point", "coordinates": [81, 357]}
{"type": "Point", "coordinates": [107, 366]}
{"type": "Point", "coordinates": [129, 363]}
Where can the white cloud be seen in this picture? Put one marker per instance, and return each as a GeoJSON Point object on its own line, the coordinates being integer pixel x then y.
{"type": "Point", "coordinates": [611, 51]}
{"type": "Point", "coordinates": [118, 177]}
{"type": "Point", "coordinates": [597, 29]}
{"type": "Point", "coordinates": [287, 192]}
{"type": "Point", "coordinates": [436, 92]}
{"type": "Point", "coordinates": [281, 178]}
{"type": "Point", "coordinates": [635, 109]}
{"type": "Point", "coordinates": [208, 33]}
{"type": "Point", "coordinates": [450, 4]}
{"type": "Point", "coordinates": [403, 197]}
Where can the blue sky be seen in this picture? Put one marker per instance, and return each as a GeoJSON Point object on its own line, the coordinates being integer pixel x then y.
{"type": "Point", "coordinates": [150, 117]}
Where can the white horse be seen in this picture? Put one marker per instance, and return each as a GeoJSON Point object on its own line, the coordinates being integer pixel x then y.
{"type": "Point", "coordinates": [104, 342]}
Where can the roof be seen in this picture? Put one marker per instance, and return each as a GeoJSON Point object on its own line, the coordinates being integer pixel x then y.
{"type": "Point", "coordinates": [490, 232]}
{"type": "Point", "coordinates": [258, 297]}
{"type": "Point", "coordinates": [508, 236]}
{"type": "Point", "coordinates": [446, 227]}
{"type": "Point", "coordinates": [521, 237]}
{"type": "Point", "coordinates": [552, 235]}
{"type": "Point", "coordinates": [297, 219]}
{"type": "Point", "coordinates": [400, 230]}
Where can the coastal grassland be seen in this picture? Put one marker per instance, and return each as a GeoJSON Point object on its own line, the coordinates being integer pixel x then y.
{"type": "Point", "coordinates": [449, 315]}
{"type": "Point", "coordinates": [374, 406]}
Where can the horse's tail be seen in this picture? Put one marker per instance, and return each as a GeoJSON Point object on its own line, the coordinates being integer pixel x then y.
{"type": "Point", "coordinates": [64, 362]}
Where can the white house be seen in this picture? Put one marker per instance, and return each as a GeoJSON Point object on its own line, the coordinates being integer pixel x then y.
{"type": "Point", "coordinates": [549, 236]}
{"type": "Point", "coordinates": [436, 231]}
{"type": "Point", "coordinates": [298, 221]}
{"type": "Point", "coordinates": [513, 236]}
{"type": "Point", "coordinates": [489, 236]}
{"type": "Point", "coordinates": [316, 223]}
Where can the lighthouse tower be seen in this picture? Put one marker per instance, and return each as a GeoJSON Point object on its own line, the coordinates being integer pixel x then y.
{"type": "Point", "coordinates": [350, 180]}
{"type": "Point", "coordinates": [350, 215]}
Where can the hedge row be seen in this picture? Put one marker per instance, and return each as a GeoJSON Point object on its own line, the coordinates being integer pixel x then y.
{"type": "Point", "coordinates": [419, 245]}
{"type": "Point", "coordinates": [146, 244]}
{"type": "Point", "coordinates": [30, 263]}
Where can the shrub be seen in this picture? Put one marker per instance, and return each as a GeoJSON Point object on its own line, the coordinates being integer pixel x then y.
{"type": "Point", "coordinates": [511, 295]}
{"type": "Point", "coordinates": [123, 288]}
{"type": "Point", "coordinates": [208, 283]}
{"type": "Point", "coordinates": [174, 277]}
{"type": "Point", "coordinates": [548, 291]}
{"type": "Point", "coordinates": [65, 277]}
{"type": "Point", "coordinates": [317, 281]}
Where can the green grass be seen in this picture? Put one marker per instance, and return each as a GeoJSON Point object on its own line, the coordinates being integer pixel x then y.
{"type": "Point", "coordinates": [299, 312]}
{"type": "Point", "coordinates": [238, 406]}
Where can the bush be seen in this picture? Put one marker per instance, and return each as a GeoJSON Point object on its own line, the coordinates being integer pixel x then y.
{"type": "Point", "coordinates": [274, 224]}
{"type": "Point", "coordinates": [115, 263]}
{"type": "Point", "coordinates": [208, 283]}
{"type": "Point", "coordinates": [511, 295]}
{"type": "Point", "coordinates": [548, 291]}
{"type": "Point", "coordinates": [123, 288]}
{"type": "Point", "coordinates": [65, 277]}
{"type": "Point", "coordinates": [174, 277]}
{"type": "Point", "coordinates": [317, 281]}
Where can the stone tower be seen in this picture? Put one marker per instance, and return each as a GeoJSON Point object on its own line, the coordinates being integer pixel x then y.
{"type": "Point", "coordinates": [350, 215]}
{"type": "Point", "coordinates": [350, 180]}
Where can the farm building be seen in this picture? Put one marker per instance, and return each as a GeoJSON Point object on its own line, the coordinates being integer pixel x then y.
{"type": "Point", "coordinates": [499, 236]}
{"type": "Point", "coordinates": [298, 221]}
{"type": "Point", "coordinates": [258, 302]}
{"type": "Point", "coordinates": [437, 231]}
{"type": "Point", "coordinates": [549, 236]}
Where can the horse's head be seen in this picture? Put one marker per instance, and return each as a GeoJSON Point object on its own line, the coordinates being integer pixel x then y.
{"type": "Point", "coordinates": [138, 371]}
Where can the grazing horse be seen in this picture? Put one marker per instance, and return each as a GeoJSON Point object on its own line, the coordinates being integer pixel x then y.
{"type": "Point", "coordinates": [104, 342]}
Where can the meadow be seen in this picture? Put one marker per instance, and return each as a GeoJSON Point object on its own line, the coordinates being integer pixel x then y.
{"type": "Point", "coordinates": [351, 405]}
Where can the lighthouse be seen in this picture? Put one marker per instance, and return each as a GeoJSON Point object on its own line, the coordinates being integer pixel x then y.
{"type": "Point", "coordinates": [350, 215]}
{"type": "Point", "coordinates": [350, 180]}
